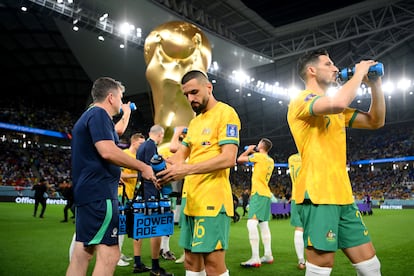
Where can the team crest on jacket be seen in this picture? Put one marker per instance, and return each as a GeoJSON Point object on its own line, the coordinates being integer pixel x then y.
{"type": "Point", "coordinates": [232, 131]}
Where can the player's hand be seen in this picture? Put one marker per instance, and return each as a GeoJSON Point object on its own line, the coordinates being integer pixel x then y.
{"type": "Point", "coordinates": [172, 173]}
{"type": "Point", "coordinates": [126, 108]}
{"type": "Point", "coordinates": [363, 66]}
{"type": "Point", "coordinates": [251, 148]}
{"type": "Point", "coordinates": [148, 174]}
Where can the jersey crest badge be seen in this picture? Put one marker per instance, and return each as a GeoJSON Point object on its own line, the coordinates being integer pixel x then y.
{"type": "Point", "coordinates": [232, 131]}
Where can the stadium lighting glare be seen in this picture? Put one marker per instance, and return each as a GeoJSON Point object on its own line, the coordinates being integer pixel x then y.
{"type": "Point", "coordinates": [293, 92]}
{"type": "Point", "coordinates": [103, 17]}
{"type": "Point", "coordinates": [139, 32]}
{"type": "Point", "coordinates": [404, 84]}
{"type": "Point", "coordinates": [260, 84]}
{"type": "Point", "coordinates": [240, 76]}
{"type": "Point", "coordinates": [332, 90]}
{"type": "Point", "coordinates": [268, 87]}
{"type": "Point", "coordinates": [388, 87]}
{"type": "Point", "coordinates": [125, 28]}
{"type": "Point", "coordinates": [215, 66]}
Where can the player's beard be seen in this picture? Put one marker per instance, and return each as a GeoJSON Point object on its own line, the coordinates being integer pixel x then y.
{"type": "Point", "coordinates": [328, 83]}
{"type": "Point", "coordinates": [200, 107]}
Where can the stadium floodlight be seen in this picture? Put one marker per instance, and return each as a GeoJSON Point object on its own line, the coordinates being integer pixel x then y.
{"type": "Point", "coordinates": [125, 28]}
{"type": "Point", "coordinates": [23, 8]}
{"type": "Point", "coordinates": [388, 87]}
{"type": "Point", "coordinates": [404, 84]}
{"type": "Point", "coordinates": [139, 32]}
{"type": "Point", "coordinates": [103, 17]}
{"type": "Point", "coordinates": [240, 77]}
{"type": "Point", "coordinates": [215, 66]}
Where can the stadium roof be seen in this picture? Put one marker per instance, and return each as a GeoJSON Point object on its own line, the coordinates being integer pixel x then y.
{"type": "Point", "coordinates": [42, 56]}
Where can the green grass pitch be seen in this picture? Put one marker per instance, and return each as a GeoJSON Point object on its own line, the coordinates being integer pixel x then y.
{"type": "Point", "coordinates": [33, 246]}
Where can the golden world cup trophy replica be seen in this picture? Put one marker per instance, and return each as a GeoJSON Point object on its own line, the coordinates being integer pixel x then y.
{"type": "Point", "coordinates": [171, 50]}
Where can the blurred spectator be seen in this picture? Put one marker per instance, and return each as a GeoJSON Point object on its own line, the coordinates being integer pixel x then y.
{"type": "Point", "coordinates": [40, 196]}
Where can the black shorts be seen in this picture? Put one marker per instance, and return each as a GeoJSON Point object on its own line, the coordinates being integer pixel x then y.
{"type": "Point", "coordinates": [97, 222]}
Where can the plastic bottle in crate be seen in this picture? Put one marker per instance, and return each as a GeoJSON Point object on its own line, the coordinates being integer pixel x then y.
{"type": "Point", "coordinates": [121, 209]}
{"type": "Point", "coordinates": [165, 204]}
{"type": "Point", "coordinates": [152, 205]}
{"type": "Point", "coordinates": [139, 206]}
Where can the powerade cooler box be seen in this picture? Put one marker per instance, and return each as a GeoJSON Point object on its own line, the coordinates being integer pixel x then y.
{"type": "Point", "coordinates": [154, 225]}
{"type": "Point", "coordinates": [152, 218]}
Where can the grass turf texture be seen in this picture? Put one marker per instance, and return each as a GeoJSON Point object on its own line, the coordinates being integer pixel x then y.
{"type": "Point", "coordinates": [34, 246]}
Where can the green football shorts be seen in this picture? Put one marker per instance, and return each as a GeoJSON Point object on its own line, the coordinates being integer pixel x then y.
{"type": "Point", "coordinates": [328, 227]}
{"type": "Point", "coordinates": [205, 234]}
{"type": "Point", "coordinates": [259, 207]}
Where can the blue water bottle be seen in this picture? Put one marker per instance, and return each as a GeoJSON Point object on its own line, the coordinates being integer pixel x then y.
{"type": "Point", "coordinates": [158, 163]}
{"type": "Point", "coordinates": [246, 147]}
{"type": "Point", "coordinates": [131, 105]}
{"type": "Point", "coordinates": [152, 206]}
{"type": "Point", "coordinates": [139, 205]}
{"type": "Point", "coordinates": [374, 71]}
{"type": "Point", "coordinates": [165, 204]}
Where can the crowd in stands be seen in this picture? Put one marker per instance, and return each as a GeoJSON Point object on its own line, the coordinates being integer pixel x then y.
{"type": "Point", "coordinates": [25, 159]}
{"type": "Point", "coordinates": [27, 113]}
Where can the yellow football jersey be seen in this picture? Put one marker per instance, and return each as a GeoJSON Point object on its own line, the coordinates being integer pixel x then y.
{"type": "Point", "coordinates": [207, 193]}
{"type": "Point", "coordinates": [321, 142]}
{"type": "Point", "coordinates": [294, 163]}
{"type": "Point", "coordinates": [130, 183]}
{"type": "Point", "coordinates": [263, 168]}
{"type": "Point", "coordinates": [165, 152]}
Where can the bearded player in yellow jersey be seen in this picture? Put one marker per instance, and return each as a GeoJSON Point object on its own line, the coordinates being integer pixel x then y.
{"type": "Point", "coordinates": [260, 200]}
{"type": "Point", "coordinates": [211, 147]}
{"type": "Point", "coordinates": [323, 192]}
